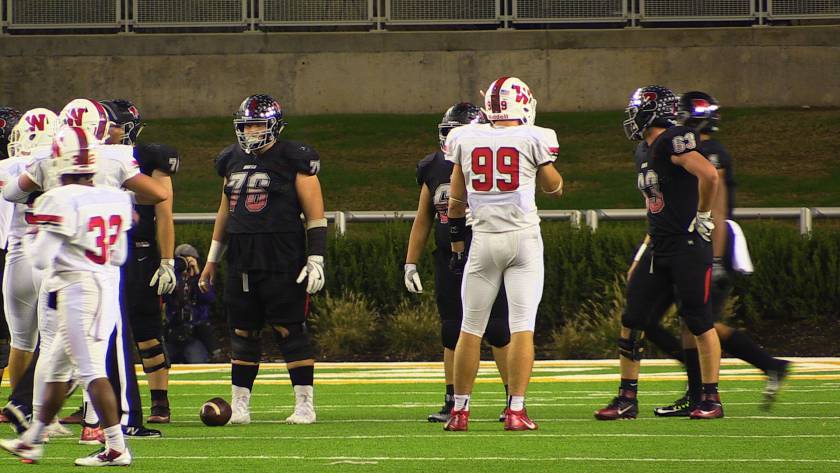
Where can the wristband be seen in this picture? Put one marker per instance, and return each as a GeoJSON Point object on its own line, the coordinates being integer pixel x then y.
{"type": "Point", "coordinates": [640, 252]}
{"type": "Point", "coordinates": [217, 250]}
{"type": "Point", "coordinates": [457, 229]}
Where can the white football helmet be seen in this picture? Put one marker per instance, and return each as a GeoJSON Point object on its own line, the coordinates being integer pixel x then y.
{"type": "Point", "coordinates": [73, 152]}
{"type": "Point", "coordinates": [87, 114]}
{"type": "Point", "coordinates": [35, 129]}
{"type": "Point", "coordinates": [508, 98]}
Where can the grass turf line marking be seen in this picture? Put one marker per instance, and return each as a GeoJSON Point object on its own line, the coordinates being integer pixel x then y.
{"type": "Point", "coordinates": [496, 420]}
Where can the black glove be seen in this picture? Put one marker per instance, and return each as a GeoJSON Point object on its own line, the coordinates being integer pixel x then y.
{"type": "Point", "coordinates": [720, 276]}
{"type": "Point", "coordinates": [457, 262]}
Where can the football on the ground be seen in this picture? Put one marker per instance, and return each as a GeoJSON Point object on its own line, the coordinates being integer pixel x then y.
{"type": "Point", "coordinates": [215, 412]}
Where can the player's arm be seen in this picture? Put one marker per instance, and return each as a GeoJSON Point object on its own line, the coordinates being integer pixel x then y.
{"type": "Point", "coordinates": [43, 249]}
{"type": "Point", "coordinates": [550, 180]}
{"type": "Point", "coordinates": [164, 277]}
{"type": "Point", "coordinates": [457, 214]}
{"type": "Point", "coordinates": [719, 211]}
{"type": "Point", "coordinates": [147, 191]}
{"type": "Point", "coordinates": [420, 229]}
{"type": "Point", "coordinates": [312, 202]}
{"type": "Point", "coordinates": [18, 190]}
{"type": "Point", "coordinates": [218, 244]}
{"type": "Point", "coordinates": [707, 177]}
{"type": "Point", "coordinates": [638, 256]}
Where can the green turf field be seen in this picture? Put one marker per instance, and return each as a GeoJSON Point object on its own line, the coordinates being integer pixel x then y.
{"type": "Point", "coordinates": [371, 417]}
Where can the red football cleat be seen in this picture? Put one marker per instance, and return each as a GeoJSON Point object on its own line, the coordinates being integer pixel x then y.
{"type": "Point", "coordinates": [619, 408]}
{"type": "Point", "coordinates": [92, 436]}
{"type": "Point", "coordinates": [458, 421]}
{"type": "Point", "coordinates": [519, 420]}
{"type": "Point", "coordinates": [708, 409]}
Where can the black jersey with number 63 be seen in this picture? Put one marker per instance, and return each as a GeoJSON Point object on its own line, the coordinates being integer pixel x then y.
{"type": "Point", "coordinates": [151, 157]}
{"type": "Point", "coordinates": [671, 193]}
{"type": "Point", "coordinates": [265, 231]}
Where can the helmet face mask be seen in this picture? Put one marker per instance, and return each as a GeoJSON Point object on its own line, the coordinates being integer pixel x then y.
{"type": "Point", "coordinates": [460, 114]}
{"type": "Point", "coordinates": [700, 111]}
{"type": "Point", "coordinates": [651, 106]}
{"type": "Point", "coordinates": [262, 110]}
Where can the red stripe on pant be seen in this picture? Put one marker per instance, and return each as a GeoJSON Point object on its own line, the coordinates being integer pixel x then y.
{"type": "Point", "coordinates": [708, 285]}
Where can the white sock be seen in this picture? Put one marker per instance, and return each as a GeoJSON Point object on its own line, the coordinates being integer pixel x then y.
{"type": "Point", "coordinates": [34, 434]}
{"type": "Point", "coordinates": [517, 403]}
{"type": "Point", "coordinates": [462, 402]}
{"type": "Point", "coordinates": [114, 438]}
{"type": "Point", "coordinates": [238, 392]}
{"type": "Point", "coordinates": [304, 390]}
{"type": "Point", "coordinates": [90, 417]}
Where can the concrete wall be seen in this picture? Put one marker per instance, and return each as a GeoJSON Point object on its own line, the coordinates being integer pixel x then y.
{"type": "Point", "coordinates": [411, 72]}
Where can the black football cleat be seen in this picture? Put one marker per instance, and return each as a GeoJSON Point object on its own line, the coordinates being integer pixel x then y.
{"type": "Point", "coordinates": [143, 432]}
{"type": "Point", "coordinates": [708, 409]}
{"type": "Point", "coordinates": [775, 379]}
{"type": "Point", "coordinates": [443, 415]}
{"type": "Point", "coordinates": [619, 408]}
{"type": "Point", "coordinates": [19, 416]}
{"type": "Point", "coordinates": [75, 418]}
{"type": "Point", "coordinates": [682, 407]}
{"type": "Point", "coordinates": [159, 415]}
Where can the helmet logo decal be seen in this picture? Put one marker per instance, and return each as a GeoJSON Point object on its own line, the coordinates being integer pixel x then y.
{"type": "Point", "coordinates": [2, 123]}
{"type": "Point", "coordinates": [521, 97]}
{"type": "Point", "coordinates": [134, 112]}
{"type": "Point", "coordinates": [649, 96]}
{"type": "Point", "coordinates": [36, 122]}
{"type": "Point", "coordinates": [75, 115]}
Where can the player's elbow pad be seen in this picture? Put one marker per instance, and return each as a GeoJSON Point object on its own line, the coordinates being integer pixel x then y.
{"type": "Point", "coordinates": [316, 237]}
{"type": "Point", "coordinates": [13, 193]}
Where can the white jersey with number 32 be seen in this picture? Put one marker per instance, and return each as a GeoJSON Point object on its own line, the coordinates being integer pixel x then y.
{"type": "Point", "coordinates": [500, 167]}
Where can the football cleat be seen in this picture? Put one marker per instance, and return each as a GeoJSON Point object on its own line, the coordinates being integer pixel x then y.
{"type": "Point", "coordinates": [518, 420]}
{"type": "Point", "coordinates": [458, 421]}
{"type": "Point", "coordinates": [619, 408]}
{"type": "Point", "coordinates": [708, 409]}
{"type": "Point", "coordinates": [19, 416]}
{"type": "Point", "coordinates": [443, 415]}
{"type": "Point", "coordinates": [682, 407]}
{"type": "Point", "coordinates": [28, 453]}
{"type": "Point", "coordinates": [3, 419]}
{"type": "Point", "coordinates": [92, 436]}
{"type": "Point", "coordinates": [55, 430]}
{"type": "Point", "coordinates": [160, 415]}
{"type": "Point", "coordinates": [75, 418]}
{"type": "Point", "coordinates": [240, 412]}
{"type": "Point", "coordinates": [133, 431]}
{"type": "Point", "coordinates": [775, 378]}
{"type": "Point", "coordinates": [304, 406]}
{"type": "Point", "coordinates": [106, 457]}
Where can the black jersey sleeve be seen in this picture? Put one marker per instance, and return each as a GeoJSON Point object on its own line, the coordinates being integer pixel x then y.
{"type": "Point", "coordinates": [161, 157]}
{"type": "Point", "coordinates": [423, 167]}
{"type": "Point", "coordinates": [223, 160]}
{"type": "Point", "coordinates": [679, 140]}
{"type": "Point", "coordinates": [303, 157]}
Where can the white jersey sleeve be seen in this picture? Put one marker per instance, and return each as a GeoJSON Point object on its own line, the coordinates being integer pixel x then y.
{"type": "Point", "coordinates": [57, 215]}
{"type": "Point", "coordinates": [546, 147]}
{"type": "Point", "coordinates": [116, 164]}
{"type": "Point", "coordinates": [37, 169]}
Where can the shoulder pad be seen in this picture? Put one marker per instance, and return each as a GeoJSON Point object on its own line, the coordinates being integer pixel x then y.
{"type": "Point", "coordinates": [159, 156]}
{"type": "Point", "coordinates": [304, 158]}
{"type": "Point", "coordinates": [223, 160]}
{"type": "Point", "coordinates": [423, 167]}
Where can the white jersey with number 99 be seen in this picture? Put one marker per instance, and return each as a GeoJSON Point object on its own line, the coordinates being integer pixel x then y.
{"type": "Point", "coordinates": [500, 167]}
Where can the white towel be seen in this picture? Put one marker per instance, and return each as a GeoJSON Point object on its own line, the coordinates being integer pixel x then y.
{"type": "Point", "coordinates": [741, 260]}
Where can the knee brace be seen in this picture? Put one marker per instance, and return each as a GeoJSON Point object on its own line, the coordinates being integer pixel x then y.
{"type": "Point", "coordinates": [632, 348]}
{"type": "Point", "coordinates": [293, 342]}
{"type": "Point", "coordinates": [149, 353]}
{"type": "Point", "coordinates": [246, 347]}
{"type": "Point", "coordinates": [4, 353]}
{"type": "Point", "coordinates": [450, 329]}
{"type": "Point", "coordinates": [497, 333]}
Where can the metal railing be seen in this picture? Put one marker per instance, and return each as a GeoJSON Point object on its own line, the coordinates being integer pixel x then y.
{"type": "Point", "coordinates": [190, 13]}
{"type": "Point", "coordinates": [315, 12]}
{"type": "Point", "coordinates": [569, 11]}
{"type": "Point", "coordinates": [577, 218]}
{"type": "Point", "coordinates": [431, 12]}
{"type": "Point", "coordinates": [696, 10]}
{"type": "Point", "coordinates": [802, 9]}
{"type": "Point", "coordinates": [63, 14]}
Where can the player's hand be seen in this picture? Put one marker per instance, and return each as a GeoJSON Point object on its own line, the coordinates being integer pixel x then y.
{"type": "Point", "coordinates": [164, 277]}
{"type": "Point", "coordinates": [205, 281]}
{"type": "Point", "coordinates": [314, 273]}
{"type": "Point", "coordinates": [412, 279]}
{"type": "Point", "coordinates": [703, 224]}
{"type": "Point", "coordinates": [457, 262]}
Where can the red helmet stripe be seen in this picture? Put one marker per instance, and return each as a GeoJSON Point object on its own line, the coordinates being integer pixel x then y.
{"type": "Point", "coordinates": [495, 100]}
{"type": "Point", "coordinates": [99, 134]}
{"type": "Point", "coordinates": [84, 155]}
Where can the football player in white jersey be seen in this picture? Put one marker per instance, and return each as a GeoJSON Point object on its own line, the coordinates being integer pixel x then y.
{"type": "Point", "coordinates": [497, 168]}
{"type": "Point", "coordinates": [82, 233]}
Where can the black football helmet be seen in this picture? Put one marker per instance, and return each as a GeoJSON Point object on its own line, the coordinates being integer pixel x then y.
{"type": "Point", "coordinates": [124, 113]}
{"type": "Point", "coordinates": [653, 105]}
{"type": "Point", "coordinates": [700, 111]}
{"type": "Point", "coordinates": [258, 109]}
{"type": "Point", "coordinates": [9, 117]}
{"type": "Point", "coordinates": [463, 113]}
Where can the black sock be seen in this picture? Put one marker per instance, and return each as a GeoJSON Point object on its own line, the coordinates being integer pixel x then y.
{"type": "Point", "coordinates": [244, 375]}
{"type": "Point", "coordinates": [692, 370]}
{"type": "Point", "coordinates": [507, 392]}
{"type": "Point", "coordinates": [629, 388]}
{"type": "Point", "coordinates": [740, 345]}
{"type": "Point", "coordinates": [159, 397]}
{"type": "Point", "coordinates": [710, 391]}
{"type": "Point", "coordinates": [302, 375]}
{"type": "Point", "coordinates": [450, 394]}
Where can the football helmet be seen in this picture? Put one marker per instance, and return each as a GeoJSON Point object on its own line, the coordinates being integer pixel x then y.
{"type": "Point", "coordinates": [9, 118]}
{"type": "Point", "coordinates": [87, 114]}
{"type": "Point", "coordinates": [508, 98]}
{"type": "Point", "coordinates": [258, 109]}
{"type": "Point", "coordinates": [653, 105]}
{"type": "Point", "coordinates": [73, 152]}
{"type": "Point", "coordinates": [460, 114]}
{"type": "Point", "coordinates": [700, 111]}
{"type": "Point", "coordinates": [124, 113]}
{"type": "Point", "coordinates": [35, 129]}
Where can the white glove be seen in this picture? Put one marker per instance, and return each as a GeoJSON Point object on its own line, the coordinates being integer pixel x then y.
{"type": "Point", "coordinates": [703, 224]}
{"type": "Point", "coordinates": [412, 279]}
{"type": "Point", "coordinates": [314, 271]}
{"type": "Point", "coordinates": [164, 277]}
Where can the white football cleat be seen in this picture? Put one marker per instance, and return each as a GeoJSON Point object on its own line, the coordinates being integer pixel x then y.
{"type": "Point", "coordinates": [55, 430]}
{"type": "Point", "coordinates": [28, 453]}
{"type": "Point", "coordinates": [240, 406]}
{"type": "Point", "coordinates": [106, 457]}
{"type": "Point", "coordinates": [304, 406]}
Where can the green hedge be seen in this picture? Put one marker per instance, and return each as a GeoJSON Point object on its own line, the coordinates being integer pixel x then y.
{"type": "Point", "coordinates": [796, 278]}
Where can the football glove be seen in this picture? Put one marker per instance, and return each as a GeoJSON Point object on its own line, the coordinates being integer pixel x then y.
{"type": "Point", "coordinates": [412, 279]}
{"type": "Point", "coordinates": [314, 273]}
{"type": "Point", "coordinates": [703, 224]}
{"type": "Point", "coordinates": [719, 273]}
{"type": "Point", "coordinates": [164, 277]}
{"type": "Point", "coordinates": [457, 262]}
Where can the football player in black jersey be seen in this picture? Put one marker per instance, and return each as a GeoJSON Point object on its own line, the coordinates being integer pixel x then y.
{"type": "Point", "coordinates": [701, 111]}
{"type": "Point", "coordinates": [149, 270]}
{"type": "Point", "coordinates": [8, 119]}
{"type": "Point", "coordinates": [433, 174]}
{"type": "Point", "coordinates": [268, 183]}
{"type": "Point", "coordinates": [679, 186]}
